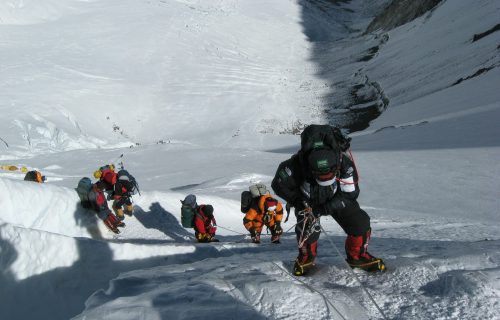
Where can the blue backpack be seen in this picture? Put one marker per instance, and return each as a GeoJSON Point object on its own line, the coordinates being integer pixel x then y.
{"type": "Point", "coordinates": [83, 190]}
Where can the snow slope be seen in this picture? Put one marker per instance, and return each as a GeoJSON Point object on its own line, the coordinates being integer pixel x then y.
{"type": "Point", "coordinates": [143, 75]}
{"type": "Point", "coordinates": [193, 74]}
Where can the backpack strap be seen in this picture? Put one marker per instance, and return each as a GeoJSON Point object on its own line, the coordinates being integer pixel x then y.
{"type": "Point", "coordinates": [288, 209]}
{"type": "Point", "coordinates": [198, 212]}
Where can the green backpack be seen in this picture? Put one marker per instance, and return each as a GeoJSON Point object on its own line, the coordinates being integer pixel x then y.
{"type": "Point", "coordinates": [187, 216]}
{"type": "Point", "coordinates": [188, 211]}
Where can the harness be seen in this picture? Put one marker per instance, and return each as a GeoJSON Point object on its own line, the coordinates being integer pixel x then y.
{"type": "Point", "coordinates": [310, 225]}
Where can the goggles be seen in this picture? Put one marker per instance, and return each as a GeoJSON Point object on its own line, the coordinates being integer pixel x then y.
{"type": "Point", "coordinates": [271, 204]}
{"type": "Point", "coordinates": [324, 176]}
{"type": "Point", "coordinates": [325, 179]}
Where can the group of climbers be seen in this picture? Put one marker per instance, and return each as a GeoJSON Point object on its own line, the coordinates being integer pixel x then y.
{"type": "Point", "coordinates": [262, 210]}
{"type": "Point", "coordinates": [320, 179]}
{"type": "Point", "coordinates": [118, 186]}
{"type": "Point", "coordinates": [110, 185]}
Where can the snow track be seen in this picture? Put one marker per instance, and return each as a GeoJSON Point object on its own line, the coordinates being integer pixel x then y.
{"type": "Point", "coordinates": [233, 273]}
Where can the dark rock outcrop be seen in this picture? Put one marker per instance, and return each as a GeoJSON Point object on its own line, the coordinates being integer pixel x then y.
{"type": "Point", "coordinates": [399, 12]}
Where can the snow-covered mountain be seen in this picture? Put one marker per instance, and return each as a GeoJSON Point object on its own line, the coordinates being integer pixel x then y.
{"type": "Point", "coordinates": [207, 97]}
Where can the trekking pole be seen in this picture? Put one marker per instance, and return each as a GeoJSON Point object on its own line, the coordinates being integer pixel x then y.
{"type": "Point", "coordinates": [353, 273]}
{"type": "Point", "coordinates": [137, 186]}
{"type": "Point", "coordinates": [116, 160]}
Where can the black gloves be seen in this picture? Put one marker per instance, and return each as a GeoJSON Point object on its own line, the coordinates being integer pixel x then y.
{"type": "Point", "coordinates": [337, 203]}
{"type": "Point", "coordinates": [277, 228]}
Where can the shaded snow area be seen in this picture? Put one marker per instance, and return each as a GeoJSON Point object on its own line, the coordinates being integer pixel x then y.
{"type": "Point", "coordinates": [207, 97]}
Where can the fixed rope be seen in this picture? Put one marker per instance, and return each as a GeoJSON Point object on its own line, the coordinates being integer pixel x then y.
{"type": "Point", "coordinates": [354, 274]}
{"type": "Point", "coordinates": [228, 229]}
{"type": "Point", "coordinates": [327, 301]}
{"type": "Point", "coordinates": [244, 234]}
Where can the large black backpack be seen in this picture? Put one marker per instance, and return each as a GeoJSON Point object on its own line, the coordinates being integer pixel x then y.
{"type": "Point", "coordinates": [246, 201]}
{"type": "Point", "coordinates": [316, 136]}
{"type": "Point", "coordinates": [125, 175]}
{"type": "Point", "coordinates": [251, 197]}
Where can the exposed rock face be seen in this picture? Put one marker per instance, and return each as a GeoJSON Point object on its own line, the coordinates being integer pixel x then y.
{"type": "Point", "coordinates": [399, 12]}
